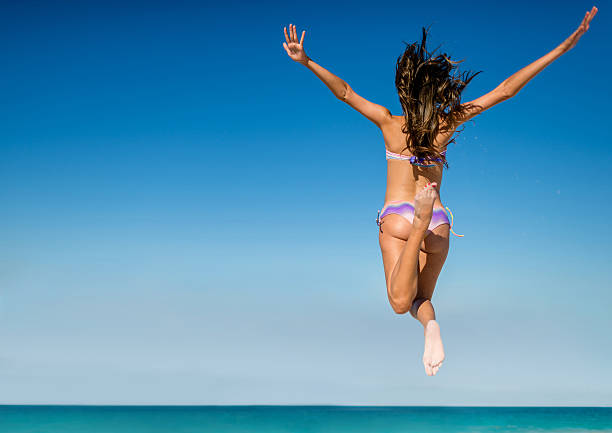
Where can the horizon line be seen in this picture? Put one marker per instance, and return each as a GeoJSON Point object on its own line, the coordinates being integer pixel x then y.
{"type": "Point", "coordinates": [301, 405]}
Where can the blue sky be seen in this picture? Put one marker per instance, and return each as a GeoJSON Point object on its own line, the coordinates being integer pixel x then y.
{"type": "Point", "coordinates": [189, 215]}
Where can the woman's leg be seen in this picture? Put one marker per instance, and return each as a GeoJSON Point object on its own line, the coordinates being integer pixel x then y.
{"type": "Point", "coordinates": [416, 292]}
{"type": "Point", "coordinates": [431, 263]}
{"type": "Point", "coordinates": [404, 280]}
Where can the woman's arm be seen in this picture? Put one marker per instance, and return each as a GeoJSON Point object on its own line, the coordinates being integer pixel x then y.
{"type": "Point", "coordinates": [511, 85]}
{"type": "Point", "coordinates": [340, 88]}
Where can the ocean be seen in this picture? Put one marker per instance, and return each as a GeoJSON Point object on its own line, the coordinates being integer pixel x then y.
{"type": "Point", "coordinates": [307, 419]}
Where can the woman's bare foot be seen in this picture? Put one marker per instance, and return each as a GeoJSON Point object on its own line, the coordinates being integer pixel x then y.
{"type": "Point", "coordinates": [423, 206]}
{"type": "Point", "coordinates": [434, 351]}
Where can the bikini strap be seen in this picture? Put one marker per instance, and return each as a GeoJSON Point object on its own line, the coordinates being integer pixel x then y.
{"type": "Point", "coordinates": [451, 222]}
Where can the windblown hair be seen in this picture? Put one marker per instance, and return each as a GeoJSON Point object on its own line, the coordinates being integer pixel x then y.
{"type": "Point", "coordinates": [429, 91]}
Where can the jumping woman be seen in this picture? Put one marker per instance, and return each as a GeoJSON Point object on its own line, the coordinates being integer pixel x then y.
{"type": "Point", "coordinates": [414, 226]}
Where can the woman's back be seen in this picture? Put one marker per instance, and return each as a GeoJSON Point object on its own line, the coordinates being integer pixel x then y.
{"type": "Point", "coordinates": [404, 179]}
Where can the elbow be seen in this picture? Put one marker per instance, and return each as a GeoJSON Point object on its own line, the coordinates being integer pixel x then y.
{"type": "Point", "coordinates": [507, 93]}
{"type": "Point", "coordinates": [343, 95]}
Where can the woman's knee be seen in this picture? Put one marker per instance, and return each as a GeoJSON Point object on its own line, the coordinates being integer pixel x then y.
{"type": "Point", "coordinates": [400, 307]}
{"type": "Point", "coordinates": [401, 300]}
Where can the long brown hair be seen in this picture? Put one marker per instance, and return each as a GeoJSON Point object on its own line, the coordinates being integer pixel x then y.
{"type": "Point", "coordinates": [428, 91]}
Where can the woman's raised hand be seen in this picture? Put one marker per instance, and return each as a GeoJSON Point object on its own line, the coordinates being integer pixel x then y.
{"type": "Point", "coordinates": [569, 43]}
{"type": "Point", "coordinates": [295, 49]}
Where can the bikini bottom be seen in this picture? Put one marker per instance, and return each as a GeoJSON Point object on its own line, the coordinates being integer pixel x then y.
{"type": "Point", "coordinates": [406, 209]}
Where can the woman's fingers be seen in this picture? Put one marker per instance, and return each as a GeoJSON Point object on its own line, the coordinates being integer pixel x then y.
{"type": "Point", "coordinates": [294, 51]}
{"type": "Point", "coordinates": [591, 15]}
{"type": "Point", "coordinates": [572, 39]}
{"type": "Point", "coordinates": [588, 17]}
{"type": "Point", "coordinates": [292, 35]}
{"type": "Point", "coordinates": [582, 28]}
{"type": "Point", "coordinates": [585, 22]}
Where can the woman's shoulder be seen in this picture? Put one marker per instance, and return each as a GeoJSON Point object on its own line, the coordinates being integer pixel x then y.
{"type": "Point", "coordinates": [395, 139]}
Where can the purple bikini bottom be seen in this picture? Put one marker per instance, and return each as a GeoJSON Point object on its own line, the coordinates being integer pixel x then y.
{"type": "Point", "coordinates": [406, 209]}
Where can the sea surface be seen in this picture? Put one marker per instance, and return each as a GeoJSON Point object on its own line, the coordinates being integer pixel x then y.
{"type": "Point", "coordinates": [273, 419]}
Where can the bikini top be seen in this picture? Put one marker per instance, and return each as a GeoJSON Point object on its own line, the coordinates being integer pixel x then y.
{"type": "Point", "coordinates": [413, 159]}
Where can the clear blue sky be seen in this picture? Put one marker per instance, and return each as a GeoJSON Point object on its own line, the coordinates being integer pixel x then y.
{"type": "Point", "coordinates": [189, 216]}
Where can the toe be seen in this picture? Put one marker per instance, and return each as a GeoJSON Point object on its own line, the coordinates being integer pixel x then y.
{"type": "Point", "coordinates": [435, 369]}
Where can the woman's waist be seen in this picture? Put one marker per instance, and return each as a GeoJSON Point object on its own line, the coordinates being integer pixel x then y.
{"type": "Point", "coordinates": [410, 202]}
{"type": "Point", "coordinates": [408, 198]}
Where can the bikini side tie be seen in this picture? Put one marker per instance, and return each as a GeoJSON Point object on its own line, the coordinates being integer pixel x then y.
{"type": "Point", "coordinates": [451, 222]}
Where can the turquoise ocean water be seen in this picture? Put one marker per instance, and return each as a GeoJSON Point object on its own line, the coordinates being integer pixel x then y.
{"type": "Point", "coordinates": [273, 419]}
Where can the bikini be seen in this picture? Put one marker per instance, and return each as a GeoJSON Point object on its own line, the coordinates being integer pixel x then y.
{"type": "Point", "coordinates": [406, 208]}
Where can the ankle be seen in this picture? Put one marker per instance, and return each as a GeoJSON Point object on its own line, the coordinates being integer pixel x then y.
{"type": "Point", "coordinates": [431, 325]}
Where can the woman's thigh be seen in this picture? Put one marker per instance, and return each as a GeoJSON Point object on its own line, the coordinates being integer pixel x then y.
{"type": "Point", "coordinates": [431, 260]}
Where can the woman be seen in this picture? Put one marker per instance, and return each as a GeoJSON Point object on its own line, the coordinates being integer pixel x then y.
{"type": "Point", "coordinates": [413, 225]}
